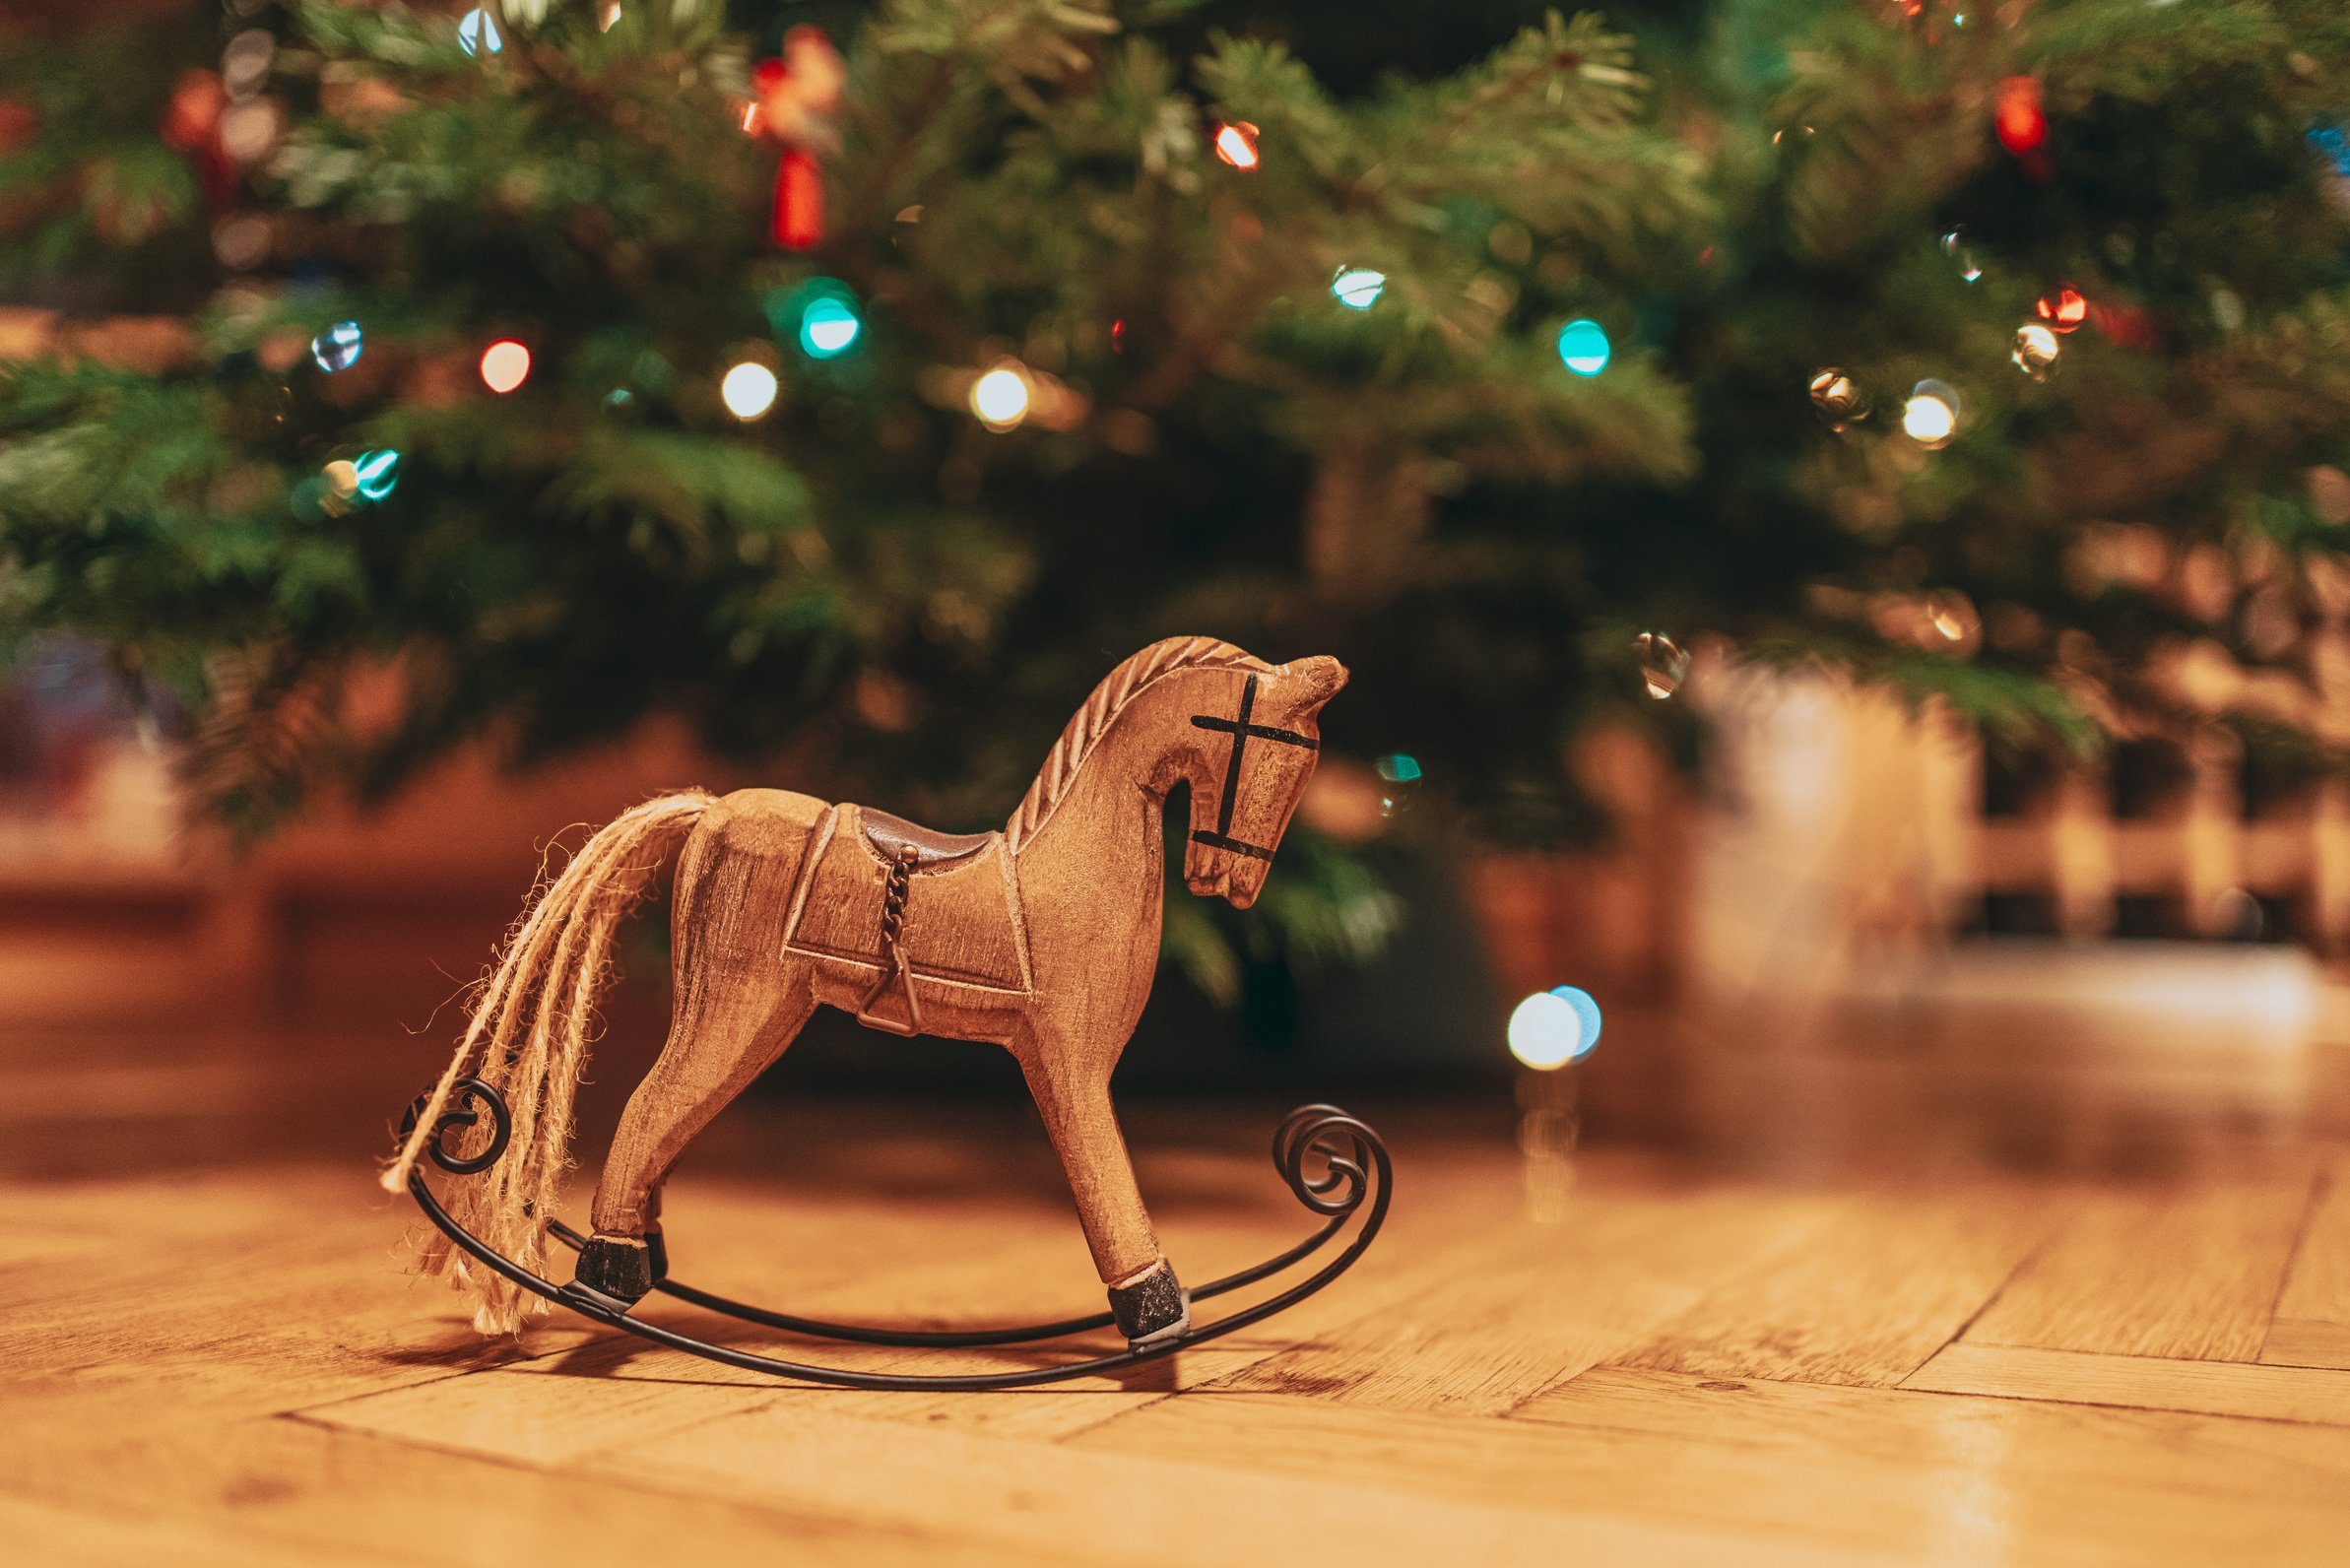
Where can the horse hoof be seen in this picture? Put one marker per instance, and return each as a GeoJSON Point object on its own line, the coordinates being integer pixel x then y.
{"type": "Point", "coordinates": [656, 1253]}
{"type": "Point", "coordinates": [1152, 1309]}
{"type": "Point", "coordinates": [617, 1267]}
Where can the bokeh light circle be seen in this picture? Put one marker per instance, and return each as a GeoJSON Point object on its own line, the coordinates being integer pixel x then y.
{"type": "Point", "coordinates": [749, 389]}
{"type": "Point", "coordinates": [1553, 1027]}
{"type": "Point", "coordinates": [999, 398]}
{"type": "Point", "coordinates": [1583, 347]}
{"type": "Point", "coordinates": [506, 365]}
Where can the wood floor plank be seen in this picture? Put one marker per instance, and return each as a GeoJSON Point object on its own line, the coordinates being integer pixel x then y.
{"type": "Point", "coordinates": [59, 1536]}
{"type": "Point", "coordinates": [281, 1489]}
{"type": "Point", "coordinates": [2145, 1383]}
{"type": "Point", "coordinates": [1947, 1477]}
{"type": "Point", "coordinates": [1137, 1502]}
{"type": "Point", "coordinates": [1536, 1303]}
{"type": "Point", "coordinates": [1865, 1296]}
{"type": "Point", "coordinates": [2312, 1326]}
{"type": "Point", "coordinates": [845, 1458]}
{"type": "Point", "coordinates": [2294, 1342]}
{"type": "Point", "coordinates": [2183, 1272]}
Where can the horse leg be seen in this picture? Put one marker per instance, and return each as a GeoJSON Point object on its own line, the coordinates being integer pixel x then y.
{"type": "Point", "coordinates": [712, 1055]}
{"type": "Point", "coordinates": [1146, 1299]}
{"type": "Point", "coordinates": [739, 1003]}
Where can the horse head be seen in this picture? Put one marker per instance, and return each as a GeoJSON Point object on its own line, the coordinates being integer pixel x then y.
{"type": "Point", "coordinates": [1248, 757]}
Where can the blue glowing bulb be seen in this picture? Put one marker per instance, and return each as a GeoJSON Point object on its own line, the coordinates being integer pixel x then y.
{"type": "Point", "coordinates": [1583, 345]}
{"type": "Point", "coordinates": [337, 347]}
{"type": "Point", "coordinates": [1400, 767]}
{"type": "Point", "coordinates": [1357, 288]}
{"type": "Point", "coordinates": [378, 474]}
{"type": "Point", "coordinates": [1587, 1012]}
{"type": "Point", "coordinates": [477, 34]}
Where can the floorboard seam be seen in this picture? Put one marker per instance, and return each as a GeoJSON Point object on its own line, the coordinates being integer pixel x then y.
{"type": "Point", "coordinates": [2320, 1184]}
{"type": "Point", "coordinates": [1956, 1393]}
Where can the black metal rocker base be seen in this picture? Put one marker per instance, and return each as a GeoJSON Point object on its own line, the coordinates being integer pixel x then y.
{"type": "Point", "coordinates": [1354, 1167]}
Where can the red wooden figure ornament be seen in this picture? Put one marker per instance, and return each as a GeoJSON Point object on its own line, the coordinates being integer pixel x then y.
{"type": "Point", "coordinates": [797, 96]}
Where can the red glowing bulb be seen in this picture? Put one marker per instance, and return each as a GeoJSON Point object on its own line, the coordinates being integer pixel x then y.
{"type": "Point", "coordinates": [1236, 144]}
{"type": "Point", "coordinates": [506, 365]}
{"type": "Point", "coordinates": [2065, 309]}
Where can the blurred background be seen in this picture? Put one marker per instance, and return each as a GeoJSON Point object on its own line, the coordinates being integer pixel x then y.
{"type": "Point", "coordinates": [1835, 509]}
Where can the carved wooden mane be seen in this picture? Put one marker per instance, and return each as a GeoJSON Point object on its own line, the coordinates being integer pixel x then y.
{"type": "Point", "coordinates": [1090, 723]}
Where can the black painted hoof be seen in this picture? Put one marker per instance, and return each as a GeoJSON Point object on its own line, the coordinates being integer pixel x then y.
{"type": "Point", "coordinates": [656, 1252]}
{"type": "Point", "coordinates": [1153, 1309]}
{"type": "Point", "coordinates": [617, 1268]}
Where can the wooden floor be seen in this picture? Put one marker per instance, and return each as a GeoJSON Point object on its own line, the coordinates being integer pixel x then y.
{"type": "Point", "coordinates": [225, 1365]}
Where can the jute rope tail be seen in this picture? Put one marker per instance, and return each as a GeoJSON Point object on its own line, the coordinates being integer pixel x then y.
{"type": "Point", "coordinates": [528, 1035]}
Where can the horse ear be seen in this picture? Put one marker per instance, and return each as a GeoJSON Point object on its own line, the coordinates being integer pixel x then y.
{"type": "Point", "coordinates": [1325, 674]}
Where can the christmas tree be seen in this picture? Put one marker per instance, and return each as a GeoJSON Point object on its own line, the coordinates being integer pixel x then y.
{"type": "Point", "coordinates": [550, 363]}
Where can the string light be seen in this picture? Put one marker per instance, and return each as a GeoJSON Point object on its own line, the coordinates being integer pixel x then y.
{"type": "Point", "coordinates": [606, 15]}
{"type": "Point", "coordinates": [1930, 416]}
{"type": "Point", "coordinates": [821, 314]}
{"type": "Point", "coordinates": [999, 398]}
{"type": "Point", "coordinates": [2036, 350]}
{"type": "Point", "coordinates": [1584, 347]}
{"type": "Point", "coordinates": [1838, 398]}
{"type": "Point", "coordinates": [378, 474]}
{"type": "Point", "coordinates": [338, 348]}
{"type": "Point", "coordinates": [477, 34]}
{"type": "Point", "coordinates": [1236, 144]}
{"type": "Point", "coordinates": [506, 365]}
{"type": "Point", "coordinates": [1663, 666]}
{"type": "Point", "coordinates": [1553, 1027]}
{"type": "Point", "coordinates": [749, 390]}
{"type": "Point", "coordinates": [1357, 288]}
{"type": "Point", "coordinates": [1399, 781]}
{"type": "Point", "coordinates": [1954, 246]}
{"type": "Point", "coordinates": [2065, 309]}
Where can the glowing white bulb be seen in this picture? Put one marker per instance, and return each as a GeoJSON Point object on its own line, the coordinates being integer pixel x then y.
{"type": "Point", "coordinates": [1236, 144]}
{"type": "Point", "coordinates": [1000, 398]}
{"type": "Point", "coordinates": [1551, 1028]}
{"type": "Point", "coordinates": [749, 389]}
{"type": "Point", "coordinates": [1357, 288]}
{"type": "Point", "coordinates": [477, 34]}
{"type": "Point", "coordinates": [1929, 421]}
{"type": "Point", "coordinates": [506, 365]}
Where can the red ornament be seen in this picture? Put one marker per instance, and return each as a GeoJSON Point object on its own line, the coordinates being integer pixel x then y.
{"type": "Point", "coordinates": [799, 219]}
{"type": "Point", "coordinates": [797, 96]}
{"type": "Point", "coordinates": [192, 124]}
{"type": "Point", "coordinates": [2022, 122]}
{"type": "Point", "coordinates": [192, 117]}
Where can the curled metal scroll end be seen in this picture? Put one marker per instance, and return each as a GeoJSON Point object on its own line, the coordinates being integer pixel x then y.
{"type": "Point", "coordinates": [1349, 1149]}
{"type": "Point", "coordinates": [468, 1096]}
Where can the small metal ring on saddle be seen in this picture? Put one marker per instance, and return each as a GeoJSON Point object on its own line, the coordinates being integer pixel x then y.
{"type": "Point", "coordinates": [894, 965]}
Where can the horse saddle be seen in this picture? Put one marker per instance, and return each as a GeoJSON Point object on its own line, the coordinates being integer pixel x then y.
{"type": "Point", "coordinates": [895, 839]}
{"type": "Point", "coordinates": [923, 908]}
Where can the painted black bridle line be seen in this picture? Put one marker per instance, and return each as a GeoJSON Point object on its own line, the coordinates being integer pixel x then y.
{"type": "Point", "coordinates": [1242, 731]}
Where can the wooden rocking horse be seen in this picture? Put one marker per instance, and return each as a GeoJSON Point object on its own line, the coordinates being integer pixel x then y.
{"type": "Point", "coordinates": [1041, 938]}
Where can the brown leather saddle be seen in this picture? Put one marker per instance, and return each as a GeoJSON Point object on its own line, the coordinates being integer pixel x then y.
{"type": "Point", "coordinates": [894, 839]}
{"type": "Point", "coordinates": [909, 849]}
